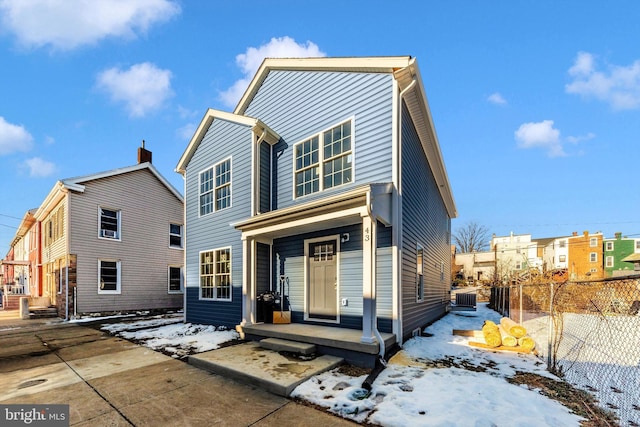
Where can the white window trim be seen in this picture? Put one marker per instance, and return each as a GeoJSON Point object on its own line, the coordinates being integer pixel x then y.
{"type": "Point", "coordinates": [173, 234]}
{"type": "Point", "coordinates": [230, 159]}
{"type": "Point", "coordinates": [118, 290]}
{"type": "Point", "coordinates": [213, 190]}
{"type": "Point", "coordinates": [119, 218]}
{"type": "Point", "coordinates": [321, 158]}
{"type": "Point", "coordinates": [608, 246]}
{"type": "Point", "coordinates": [230, 299]}
{"type": "Point", "coordinates": [593, 242]}
{"type": "Point", "coordinates": [593, 257]}
{"type": "Point", "coordinates": [419, 275]}
{"type": "Point", "coordinates": [609, 261]}
{"type": "Point", "coordinates": [169, 291]}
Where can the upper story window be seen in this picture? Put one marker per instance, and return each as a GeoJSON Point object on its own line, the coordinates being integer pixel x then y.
{"type": "Point", "coordinates": [562, 243]}
{"type": "Point", "coordinates": [609, 246]}
{"type": "Point", "coordinates": [215, 187]}
{"type": "Point", "coordinates": [109, 224]}
{"type": "Point", "coordinates": [175, 235]}
{"type": "Point", "coordinates": [593, 242]}
{"type": "Point", "coordinates": [223, 184]}
{"type": "Point", "coordinates": [324, 161]}
{"type": "Point", "coordinates": [593, 257]}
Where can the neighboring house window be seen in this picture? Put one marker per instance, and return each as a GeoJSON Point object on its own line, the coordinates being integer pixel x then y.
{"type": "Point", "coordinates": [215, 274]}
{"type": "Point", "coordinates": [175, 279]}
{"type": "Point", "coordinates": [562, 258]}
{"type": "Point", "coordinates": [609, 246]}
{"type": "Point", "coordinates": [593, 257]}
{"type": "Point", "coordinates": [518, 265]}
{"type": "Point", "coordinates": [609, 261]}
{"type": "Point", "coordinates": [637, 244]}
{"type": "Point", "coordinates": [108, 276]}
{"type": "Point", "coordinates": [206, 191]}
{"type": "Point", "coordinates": [109, 224]}
{"type": "Point", "coordinates": [420, 273]}
{"type": "Point", "coordinates": [175, 235]}
{"type": "Point", "coordinates": [593, 242]}
{"type": "Point", "coordinates": [332, 161]}
{"type": "Point", "coordinates": [562, 243]}
{"type": "Point", "coordinates": [223, 184]}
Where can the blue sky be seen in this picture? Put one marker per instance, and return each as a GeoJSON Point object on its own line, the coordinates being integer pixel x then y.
{"type": "Point", "coordinates": [536, 104]}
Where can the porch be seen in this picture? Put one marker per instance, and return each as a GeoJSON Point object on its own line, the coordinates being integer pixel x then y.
{"type": "Point", "coordinates": [340, 342]}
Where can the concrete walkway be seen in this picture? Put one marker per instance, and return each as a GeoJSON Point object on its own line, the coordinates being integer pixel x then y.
{"type": "Point", "coordinates": [111, 381]}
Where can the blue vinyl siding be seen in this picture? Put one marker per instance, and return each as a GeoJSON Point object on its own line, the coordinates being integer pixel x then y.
{"type": "Point", "coordinates": [298, 105]}
{"type": "Point", "coordinates": [213, 231]}
{"type": "Point", "coordinates": [289, 260]}
{"type": "Point", "coordinates": [425, 222]}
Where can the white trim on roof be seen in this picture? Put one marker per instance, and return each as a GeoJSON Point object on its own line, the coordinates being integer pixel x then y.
{"type": "Point", "coordinates": [257, 126]}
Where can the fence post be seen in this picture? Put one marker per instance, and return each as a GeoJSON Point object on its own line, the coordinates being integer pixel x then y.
{"type": "Point", "coordinates": [520, 302]}
{"type": "Point", "coordinates": [550, 334]}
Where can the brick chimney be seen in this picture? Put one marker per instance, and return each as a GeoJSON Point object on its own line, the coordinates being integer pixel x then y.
{"type": "Point", "coordinates": [144, 155]}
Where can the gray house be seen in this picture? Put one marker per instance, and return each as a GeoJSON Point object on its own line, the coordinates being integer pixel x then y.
{"type": "Point", "coordinates": [326, 185]}
{"type": "Point", "coordinates": [111, 241]}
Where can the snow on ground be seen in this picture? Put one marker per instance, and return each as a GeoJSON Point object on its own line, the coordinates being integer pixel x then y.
{"type": "Point", "coordinates": [435, 380]}
{"type": "Point", "coordinates": [438, 380]}
{"type": "Point", "coordinates": [172, 336]}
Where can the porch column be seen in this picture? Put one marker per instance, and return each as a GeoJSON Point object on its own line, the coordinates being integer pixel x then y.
{"type": "Point", "coordinates": [369, 233]}
{"type": "Point", "coordinates": [248, 285]}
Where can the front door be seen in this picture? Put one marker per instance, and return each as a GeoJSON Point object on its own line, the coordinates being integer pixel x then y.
{"type": "Point", "coordinates": [323, 280]}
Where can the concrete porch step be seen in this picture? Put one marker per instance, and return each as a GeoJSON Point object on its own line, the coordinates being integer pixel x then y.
{"type": "Point", "coordinates": [252, 364]}
{"type": "Point", "coordinates": [277, 344]}
{"type": "Point", "coordinates": [42, 312]}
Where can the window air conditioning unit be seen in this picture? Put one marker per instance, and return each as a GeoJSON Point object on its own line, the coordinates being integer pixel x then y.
{"type": "Point", "coordinates": [109, 233]}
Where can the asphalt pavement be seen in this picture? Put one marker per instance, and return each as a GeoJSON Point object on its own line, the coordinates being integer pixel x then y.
{"type": "Point", "coordinates": [109, 381]}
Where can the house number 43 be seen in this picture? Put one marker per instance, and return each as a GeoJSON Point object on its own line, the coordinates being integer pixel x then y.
{"type": "Point", "coordinates": [367, 234]}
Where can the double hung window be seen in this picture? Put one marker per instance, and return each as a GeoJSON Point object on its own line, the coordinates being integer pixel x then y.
{"type": "Point", "coordinates": [215, 187]}
{"type": "Point", "coordinates": [109, 224]}
{"type": "Point", "coordinates": [108, 276]}
{"type": "Point", "coordinates": [215, 274]}
{"type": "Point", "coordinates": [324, 160]}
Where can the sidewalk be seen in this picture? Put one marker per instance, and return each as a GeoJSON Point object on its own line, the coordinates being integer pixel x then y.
{"type": "Point", "coordinates": [110, 381]}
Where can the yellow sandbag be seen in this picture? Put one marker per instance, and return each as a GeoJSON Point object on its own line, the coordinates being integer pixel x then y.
{"type": "Point", "coordinates": [507, 339]}
{"type": "Point", "coordinates": [527, 343]}
{"type": "Point", "coordinates": [513, 328]}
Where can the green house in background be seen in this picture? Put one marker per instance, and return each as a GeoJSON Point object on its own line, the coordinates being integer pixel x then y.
{"type": "Point", "coordinates": [615, 250]}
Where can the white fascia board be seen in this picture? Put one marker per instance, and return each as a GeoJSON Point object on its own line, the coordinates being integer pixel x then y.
{"type": "Point", "coordinates": [382, 64]}
{"type": "Point", "coordinates": [256, 125]}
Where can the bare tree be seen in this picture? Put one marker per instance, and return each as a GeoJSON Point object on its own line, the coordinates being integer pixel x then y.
{"type": "Point", "coordinates": [472, 237]}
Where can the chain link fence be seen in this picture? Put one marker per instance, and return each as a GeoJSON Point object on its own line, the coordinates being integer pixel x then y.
{"type": "Point", "coordinates": [588, 332]}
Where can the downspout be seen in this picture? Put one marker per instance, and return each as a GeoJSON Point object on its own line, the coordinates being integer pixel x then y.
{"type": "Point", "coordinates": [66, 279]}
{"type": "Point", "coordinates": [381, 362]}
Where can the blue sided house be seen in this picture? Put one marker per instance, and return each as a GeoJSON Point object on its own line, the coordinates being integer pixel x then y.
{"type": "Point", "coordinates": [324, 191]}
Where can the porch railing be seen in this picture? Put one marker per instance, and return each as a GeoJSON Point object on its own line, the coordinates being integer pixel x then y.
{"type": "Point", "coordinates": [14, 289]}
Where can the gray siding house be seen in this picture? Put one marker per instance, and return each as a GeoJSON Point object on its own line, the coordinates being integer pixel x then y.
{"type": "Point", "coordinates": [112, 241]}
{"type": "Point", "coordinates": [325, 184]}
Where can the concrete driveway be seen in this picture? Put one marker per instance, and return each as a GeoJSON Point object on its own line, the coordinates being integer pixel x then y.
{"type": "Point", "coordinates": [108, 381]}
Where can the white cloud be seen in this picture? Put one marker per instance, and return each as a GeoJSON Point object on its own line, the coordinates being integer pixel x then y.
{"type": "Point", "coordinates": [249, 62]}
{"type": "Point", "coordinates": [496, 98]}
{"type": "Point", "coordinates": [186, 132]}
{"type": "Point", "coordinates": [578, 139]}
{"type": "Point", "coordinates": [13, 138]}
{"type": "Point", "coordinates": [39, 168]}
{"type": "Point", "coordinates": [142, 88]}
{"type": "Point", "coordinates": [619, 86]}
{"type": "Point", "coordinates": [66, 24]}
{"type": "Point", "coordinates": [540, 135]}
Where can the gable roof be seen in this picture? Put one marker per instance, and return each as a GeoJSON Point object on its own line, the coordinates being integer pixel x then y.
{"type": "Point", "coordinates": [256, 126]}
{"type": "Point", "coordinates": [76, 184]}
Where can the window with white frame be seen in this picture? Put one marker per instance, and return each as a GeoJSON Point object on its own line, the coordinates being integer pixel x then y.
{"type": "Point", "coordinates": [562, 243]}
{"type": "Point", "coordinates": [175, 279]}
{"type": "Point", "coordinates": [108, 276]}
{"type": "Point", "coordinates": [215, 274]}
{"type": "Point", "coordinates": [637, 244]}
{"type": "Point", "coordinates": [593, 242]}
{"type": "Point", "coordinates": [419, 273]}
{"type": "Point", "coordinates": [609, 262]}
{"type": "Point", "coordinates": [109, 223]}
{"type": "Point", "coordinates": [206, 191]}
{"type": "Point", "coordinates": [608, 246]}
{"type": "Point", "coordinates": [518, 265]}
{"type": "Point", "coordinates": [562, 258]}
{"type": "Point", "coordinates": [324, 160]}
{"type": "Point", "coordinates": [175, 235]}
{"type": "Point", "coordinates": [223, 184]}
{"type": "Point", "coordinates": [593, 257]}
